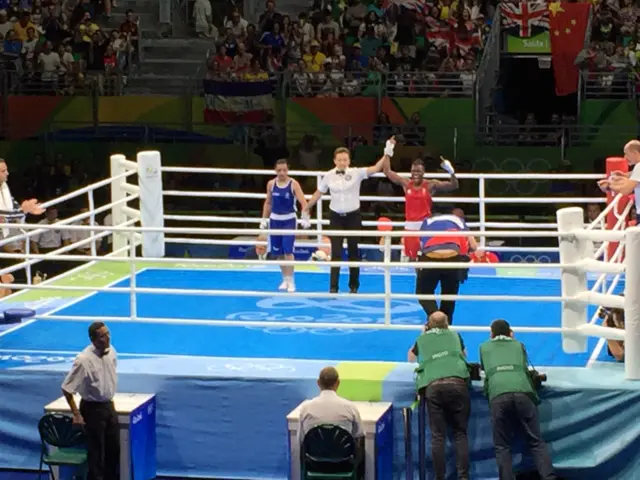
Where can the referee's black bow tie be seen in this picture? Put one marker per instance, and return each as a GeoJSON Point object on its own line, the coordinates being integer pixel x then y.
{"type": "Point", "coordinates": [340, 172]}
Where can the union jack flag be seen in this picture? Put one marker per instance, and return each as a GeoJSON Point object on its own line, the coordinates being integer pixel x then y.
{"type": "Point", "coordinates": [525, 18]}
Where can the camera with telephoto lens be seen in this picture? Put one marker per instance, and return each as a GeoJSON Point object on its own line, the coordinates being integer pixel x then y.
{"type": "Point", "coordinates": [537, 378]}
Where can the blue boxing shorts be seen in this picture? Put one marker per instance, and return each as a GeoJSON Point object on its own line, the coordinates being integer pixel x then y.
{"type": "Point", "coordinates": [282, 244]}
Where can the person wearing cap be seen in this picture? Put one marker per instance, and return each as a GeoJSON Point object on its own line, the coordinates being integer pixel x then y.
{"type": "Point", "coordinates": [315, 58]}
{"type": "Point", "coordinates": [343, 184]}
{"type": "Point", "coordinates": [512, 400]}
{"type": "Point", "coordinates": [443, 379]}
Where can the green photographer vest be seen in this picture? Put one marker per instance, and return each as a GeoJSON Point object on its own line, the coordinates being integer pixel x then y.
{"type": "Point", "coordinates": [439, 356]}
{"type": "Point", "coordinates": [505, 368]}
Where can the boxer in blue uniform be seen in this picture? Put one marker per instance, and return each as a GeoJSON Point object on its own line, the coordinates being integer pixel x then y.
{"type": "Point", "coordinates": [279, 213]}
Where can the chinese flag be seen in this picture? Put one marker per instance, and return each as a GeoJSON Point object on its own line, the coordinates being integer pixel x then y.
{"type": "Point", "coordinates": [567, 27]}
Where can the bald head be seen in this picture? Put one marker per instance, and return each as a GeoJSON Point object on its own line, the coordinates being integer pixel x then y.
{"type": "Point", "coordinates": [458, 212]}
{"type": "Point", "coordinates": [438, 319]}
{"type": "Point", "coordinates": [328, 379]}
{"type": "Point", "coordinates": [632, 152]}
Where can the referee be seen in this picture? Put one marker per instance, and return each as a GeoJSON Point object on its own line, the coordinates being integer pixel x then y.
{"type": "Point", "coordinates": [93, 376]}
{"type": "Point", "coordinates": [343, 184]}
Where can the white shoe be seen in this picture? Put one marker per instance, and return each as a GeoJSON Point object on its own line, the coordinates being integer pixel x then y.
{"type": "Point", "coordinates": [284, 285]}
{"type": "Point", "coordinates": [291, 287]}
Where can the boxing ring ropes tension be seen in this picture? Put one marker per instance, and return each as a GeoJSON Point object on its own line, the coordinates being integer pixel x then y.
{"type": "Point", "coordinates": [132, 228]}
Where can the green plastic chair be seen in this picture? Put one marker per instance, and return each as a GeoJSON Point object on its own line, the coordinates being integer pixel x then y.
{"type": "Point", "coordinates": [328, 452]}
{"type": "Point", "coordinates": [68, 441]}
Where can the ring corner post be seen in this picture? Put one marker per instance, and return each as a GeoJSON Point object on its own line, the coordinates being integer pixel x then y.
{"type": "Point", "coordinates": [573, 281]}
{"type": "Point", "coordinates": [632, 305]}
{"type": "Point", "coordinates": [151, 203]}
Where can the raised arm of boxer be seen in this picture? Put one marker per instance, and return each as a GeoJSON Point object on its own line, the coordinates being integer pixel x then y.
{"type": "Point", "coordinates": [442, 186]}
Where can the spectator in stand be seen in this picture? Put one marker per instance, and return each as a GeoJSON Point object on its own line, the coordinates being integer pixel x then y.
{"type": "Point", "coordinates": [5, 25]}
{"type": "Point", "coordinates": [242, 60]}
{"type": "Point", "coordinates": [49, 63]}
{"type": "Point", "coordinates": [21, 27]}
{"type": "Point", "coordinates": [314, 58]}
{"type": "Point", "coordinates": [329, 25]}
{"type": "Point", "coordinates": [269, 17]}
{"type": "Point", "coordinates": [273, 38]}
{"type": "Point", "coordinates": [256, 73]}
{"type": "Point", "coordinates": [308, 32]}
{"type": "Point", "coordinates": [202, 18]}
{"type": "Point", "coordinates": [130, 28]}
{"type": "Point", "coordinates": [236, 23]}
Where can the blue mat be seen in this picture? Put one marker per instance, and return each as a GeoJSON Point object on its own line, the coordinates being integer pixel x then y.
{"type": "Point", "coordinates": [295, 342]}
{"type": "Point", "coordinates": [217, 383]}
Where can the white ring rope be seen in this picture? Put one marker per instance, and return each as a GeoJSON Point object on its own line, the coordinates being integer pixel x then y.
{"type": "Point", "coordinates": [126, 229]}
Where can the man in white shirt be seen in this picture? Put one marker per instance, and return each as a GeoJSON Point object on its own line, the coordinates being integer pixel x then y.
{"type": "Point", "coordinates": [343, 184]}
{"type": "Point", "coordinates": [50, 240]}
{"type": "Point", "coordinates": [330, 409]}
{"type": "Point", "coordinates": [12, 212]}
{"type": "Point", "coordinates": [626, 183]}
{"type": "Point", "coordinates": [93, 377]}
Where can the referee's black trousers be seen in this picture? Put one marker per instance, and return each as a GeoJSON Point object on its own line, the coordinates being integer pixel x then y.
{"type": "Point", "coordinates": [103, 439]}
{"type": "Point", "coordinates": [428, 280]}
{"type": "Point", "coordinates": [345, 221]}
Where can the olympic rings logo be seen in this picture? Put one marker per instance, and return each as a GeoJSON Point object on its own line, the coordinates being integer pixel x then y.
{"type": "Point", "coordinates": [512, 165]}
{"type": "Point", "coordinates": [529, 259]}
{"type": "Point", "coordinates": [344, 306]}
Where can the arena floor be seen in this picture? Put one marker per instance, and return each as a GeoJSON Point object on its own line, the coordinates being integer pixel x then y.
{"type": "Point", "coordinates": [48, 337]}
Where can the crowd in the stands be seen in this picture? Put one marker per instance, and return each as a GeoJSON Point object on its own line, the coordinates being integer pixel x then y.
{"type": "Point", "coordinates": [615, 46]}
{"type": "Point", "coordinates": [59, 47]}
{"type": "Point", "coordinates": [351, 49]}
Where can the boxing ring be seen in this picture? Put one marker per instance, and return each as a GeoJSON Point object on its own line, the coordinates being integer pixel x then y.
{"type": "Point", "coordinates": [228, 354]}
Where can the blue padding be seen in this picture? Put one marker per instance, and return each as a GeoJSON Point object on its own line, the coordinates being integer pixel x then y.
{"type": "Point", "coordinates": [16, 315]}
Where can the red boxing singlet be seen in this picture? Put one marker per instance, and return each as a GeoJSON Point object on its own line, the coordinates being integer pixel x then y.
{"type": "Point", "coordinates": [417, 207]}
{"type": "Point", "coordinates": [418, 202]}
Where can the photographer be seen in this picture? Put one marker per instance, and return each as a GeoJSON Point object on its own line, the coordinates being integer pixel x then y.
{"type": "Point", "coordinates": [511, 389]}
{"type": "Point", "coordinates": [442, 377]}
{"type": "Point", "coordinates": [614, 318]}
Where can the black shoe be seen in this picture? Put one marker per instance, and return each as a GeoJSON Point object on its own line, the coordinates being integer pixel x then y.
{"type": "Point", "coordinates": [333, 290]}
{"type": "Point", "coordinates": [353, 290]}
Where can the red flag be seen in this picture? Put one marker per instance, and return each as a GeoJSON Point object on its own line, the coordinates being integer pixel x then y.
{"type": "Point", "coordinates": [567, 27]}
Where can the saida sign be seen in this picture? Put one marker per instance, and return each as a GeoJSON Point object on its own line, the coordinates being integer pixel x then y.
{"type": "Point", "coordinates": [538, 44]}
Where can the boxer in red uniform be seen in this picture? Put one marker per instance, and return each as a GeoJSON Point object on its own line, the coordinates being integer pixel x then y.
{"type": "Point", "coordinates": [418, 197]}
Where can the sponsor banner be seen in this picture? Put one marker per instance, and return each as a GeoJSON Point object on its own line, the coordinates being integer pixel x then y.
{"type": "Point", "coordinates": [537, 45]}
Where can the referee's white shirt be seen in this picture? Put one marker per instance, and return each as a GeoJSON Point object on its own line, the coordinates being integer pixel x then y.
{"type": "Point", "coordinates": [93, 376]}
{"type": "Point", "coordinates": [344, 189]}
{"type": "Point", "coordinates": [635, 176]}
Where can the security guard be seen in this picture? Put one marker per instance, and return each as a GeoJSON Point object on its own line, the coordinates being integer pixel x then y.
{"type": "Point", "coordinates": [512, 399]}
{"type": "Point", "coordinates": [442, 377]}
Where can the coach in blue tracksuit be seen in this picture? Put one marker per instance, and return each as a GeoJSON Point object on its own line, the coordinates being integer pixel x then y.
{"type": "Point", "coordinates": [443, 249]}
